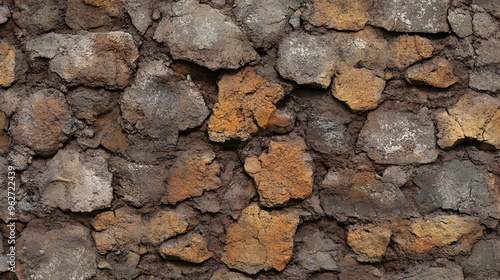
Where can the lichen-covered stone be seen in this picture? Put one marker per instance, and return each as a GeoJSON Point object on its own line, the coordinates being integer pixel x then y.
{"type": "Point", "coordinates": [77, 181]}
{"type": "Point", "coordinates": [7, 65]}
{"type": "Point", "coordinates": [449, 235]}
{"type": "Point", "coordinates": [284, 173]}
{"type": "Point", "coordinates": [92, 59]}
{"type": "Point", "coordinates": [340, 15]}
{"type": "Point", "coordinates": [437, 73]}
{"type": "Point", "coordinates": [266, 20]}
{"type": "Point", "coordinates": [369, 242]}
{"type": "Point", "coordinates": [192, 173]}
{"type": "Point", "coordinates": [484, 262]}
{"type": "Point", "coordinates": [460, 22]}
{"type": "Point", "coordinates": [65, 252]}
{"type": "Point", "coordinates": [38, 15]}
{"type": "Point", "coordinates": [407, 50]}
{"type": "Point", "coordinates": [472, 117]}
{"type": "Point", "coordinates": [359, 88]}
{"type": "Point", "coordinates": [398, 138]}
{"type": "Point", "coordinates": [260, 241]}
{"type": "Point", "coordinates": [246, 103]}
{"type": "Point", "coordinates": [191, 247]}
{"type": "Point", "coordinates": [43, 123]}
{"type": "Point", "coordinates": [201, 34]}
{"type": "Point", "coordinates": [326, 135]}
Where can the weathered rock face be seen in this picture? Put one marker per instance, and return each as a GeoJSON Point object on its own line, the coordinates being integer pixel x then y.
{"type": "Point", "coordinates": [284, 173]}
{"type": "Point", "coordinates": [44, 122]}
{"type": "Point", "coordinates": [457, 186]}
{"type": "Point", "coordinates": [318, 252]}
{"type": "Point", "coordinates": [40, 16]}
{"type": "Point", "coordinates": [407, 50]}
{"type": "Point", "coordinates": [85, 15]}
{"type": "Point", "coordinates": [448, 235]}
{"type": "Point", "coordinates": [222, 45]}
{"type": "Point", "coordinates": [485, 74]}
{"type": "Point", "coordinates": [445, 271]}
{"type": "Point", "coordinates": [60, 253]}
{"type": "Point", "coordinates": [460, 22]}
{"type": "Point", "coordinates": [191, 248]}
{"type": "Point", "coordinates": [226, 274]}
{"type": "Point", "coordinates": [4, 14]}
{"type": "Point", "coordinates": [260, 241]}
{"type": "Point", "coordinates": [77, 181]}
{"type": "Point", "coordinates": [266, 20]}
{"type": "Point", "coordinates": [158, 106]}
{"type": "Point", "coordinates": [246, 103]}
{"type": "Point", "coordinates": [398, 138]}
{"type": "Point", "coordinates": [90, 103]}
{"type": "Point", "coordinates": [326, 135]}
{"type": "Point", "coordinates": [339, 15]}
{"type": "Point", "coordinates": [7, 65]}
{"type": "Point", "coordinates": [473, 117]}
{"type": "Point", "coordinates": [94, 59]}
{"type": "Point", "coordinates": [369, 242]}
{"type": "Point", "coordinates": [484, 262]}
{"type": "Point", "coordinates": [437, 73]}
{"type": "Point", "coordinates": [192, 173]}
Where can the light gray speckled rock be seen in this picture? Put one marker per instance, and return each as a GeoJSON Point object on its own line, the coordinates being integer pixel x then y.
{"type": "Point", "coordinates": [460, 22]}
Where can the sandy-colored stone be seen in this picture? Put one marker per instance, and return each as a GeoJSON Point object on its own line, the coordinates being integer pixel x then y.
{"type": "Point", "coordinates": [407, 50]}
{"type": "Point", "coordinates": [7, 65]}
{"type": "Point", "coordinates": [260, 241]}
{"type": "Point", "coordinates": [369, 242]}
{"type": "Point", "coordinates": [43, 123]}
{"type": "Point", "coordinates": [284, 173]}
{"type": "Point", "coordinates": [192, 173]}
{"type": "Point", "coordinates": [447, 235]}
{"type": "Point", "coordinates": [359, 88]}
{"type": "Point", "coordinates": [338, 14]}
{"type": "Point", "coordinates": [472, 117]}
{"type": "Point", "coordinates": [191, 247]}
{"type": "Point", "coordinates": [246, 103]}
{"type": "Point", "coordinates": [437, 73]}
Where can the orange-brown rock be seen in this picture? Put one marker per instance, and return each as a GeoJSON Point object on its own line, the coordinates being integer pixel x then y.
{"type": "Point", "coordinates": [192, 173]}
{"type": "Point", "coordinates": [114, 139]}
{"type": "Point", "coordinates": [281, 122]}
{"type": "Point", "coordinates": [260, 241]}
{"type": "Point", "coordinates": [448, 235]}
{"type": "Point", "coordinates": [407, 50]}
{"type": "Point", "coordinates": [472, 117]}
{"type": "Point", "coordinates": [191, 247]}
{"type": "Point", "coordinates": [44, 122]}
{"type": "Point", "coordinates": [124, 228]}
{"type": "Point", "coordinates": [7, 65]}
{"type": "Point", "coordinates": [339, 14]}
{"type": "Point", "coordinates": [369, 242]}
{"type": "Point", "coordinates": [359, 88]}
{"type": "Point", "coordinates": [246, 103]}
{"type": "Point", "coordinates": [436, 73]}
{"type": "Point", "coordinates": [284, 173]}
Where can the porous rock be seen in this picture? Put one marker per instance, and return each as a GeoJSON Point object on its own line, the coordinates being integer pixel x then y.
{"type": "Point", "coordinates": [437, 73]}
{"type": "Point", "coordinates": [191, 247]}
{"type": "Point", "coordinates": [407, 50]}
{"type": "Point", "coordinates": [39, 16]}
{"type": "Point", "coordinates": [484, 262]}
{"type": "Point", "coordinates": [326, 135]}
{"type": "Point", "coordinates": [369, 242]}
{"type": "Point", "coordinates": [7, 65]}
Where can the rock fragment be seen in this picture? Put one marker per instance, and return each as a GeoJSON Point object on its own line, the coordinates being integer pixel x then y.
{"type": "Point", "coordinates": [437, 73]}
{"type": "Point", "coordinates": [7, 65]}
{"type": "Point", "coordinates": [4, 14]}
{"type": "Point", "coordinates": [90, 103]}
{"type": "Point", "coordinates": [369, 242]}
{"type": "Point", "coordinates": [407, 50]}
{"type": "Point", "coordinates": [326, 135]}
{"type": "Point", "coordinates": [460, 22]}
{"type": "Point", "coordinates": [191, 248]}
{"type": "Point", "coordinates": [438, 270]}
{"type": "Point", "coordinates": [484, 25]}
{"type": "Point", "coordinates": [318, 252]}
{"type": "Point", "coordinates": [38, 15]}
{"type": "Point", "coordinates": [484, 262]}
{"type": "Point", "coordinates": [340, 15]}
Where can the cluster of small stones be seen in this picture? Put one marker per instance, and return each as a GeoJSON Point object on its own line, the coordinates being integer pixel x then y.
{"type": "Point", "coordinates": [251, 139]}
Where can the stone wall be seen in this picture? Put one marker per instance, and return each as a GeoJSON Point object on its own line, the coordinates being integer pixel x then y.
{"type": "Point", "coordinates": [251, 139]}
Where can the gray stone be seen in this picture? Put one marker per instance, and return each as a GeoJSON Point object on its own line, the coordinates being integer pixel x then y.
{"type": "Point", "coordinates": [4, 14]}
{"type": "Point", "coordinates": [89, 103]}
{"type": "Point", "coordinates": [159, 107]}
{"type": "Point", "coordinates": [266, 20]}
{"type": "Point", "coordinates": [143, 150]}
{"type": "Point", "coordinates": [458, 186]}
{"type": "Point", "coordinates": [400, 138]}
{"type": "Point", "coordinates": [317, 252]}
{"type": "Point", "coordinates": [226, 274]}
{"type": "Point", "coordinates": [60, 253]}
{"type": "Point", "coordinates": [39, 15]}
{"type": "Point", "coordinates": [484, 25]}
{"type": "Point", "coordinates": [201, 34]}
{"type": "Point", "coordinates": [449, 271]}
{"type": "Point", "coordinates": [491, 6]}
{"type": "Point", "coordinates": [93, 59]}
{"type": "Point", "coordinates": [487, 52]}
{"type": "Point", "coordinates": [325, 135]}
{"type": "Point", "coordinates": [295, 19]}
{"type": "Point", "coordinates": [138, 184]}
{"type": "Point", "coordinates": [423, 16]}
{"type": "Point", "coordinates": [484, 262]}
{"type": "Point", "coordinates": [140, 13]}
{"type": "Point", "coordinates": [396, 175]}
{"type": "Point", "coordinates": [77, 181]}
{"type": "Point", "coordinates": [460, 22]}
{"type": "Point", "coordinates": [11, 98]}
{"type": "Point", "coordinates": [486, 78]}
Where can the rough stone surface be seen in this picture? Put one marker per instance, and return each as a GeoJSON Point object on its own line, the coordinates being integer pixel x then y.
{"type": "Point", "coordinates": [284, 173]}
{"type": "Point", "coordinates": [360, 89]}
{"type": "Point", "coordinates": [260, 241]}
{"type": "Point", "coordinates": [222, 45]}
{"type": "Point", "coordinates": [38, 15]}
{"type": "Point", "coordinates": [326, 135]}
{"type": "Point", "coordinates": [472, 117]}
{"type": "Point", "coordinates": [448, 235]}
{"type": "Point", "coordinates": [93, 59]}
{"type": "Point", "coordinates": [77, 181]}
{"type": "Point", "coordinates": [487, 52]}
{"type": "Point", "coordinates": [59, 253]}
{"type": "Point", "coordinates": [140, 13]}
{"type": "Point", "coordinates": [318, 253]}
{"type": "Point", "coordinates": [407, 50]}
{"type": "Point", "coordinates": [226, 274]}
{"type": "Point", "coordinates": [4, 14]}
{"type": "Point", "coordinates": [484, 25]}
{"type": "Point", "coordinates": [7, 65]}
{"type": "Point", "coordinates": [246, 103]}
{"type": "Point", "coordinates": [281, 122]}
{"type": "Point", "coordinates": [266, 20]}
{"type": "Point", "coordinates": [158, 106]}
{"type": "Point", "coordinates": [191, 247]}
{"type": "Point", "coordinates": [85, 15]}
{"type": "Point", "coordinates": [192, 173]}
{"type": "Point", "coordinates": [369, 242]}
{"type": "Point", "coordinates": [90, 103]}
{"type": "Point", "coordinates": [43, 123]}
{"type": "Point", "coordinates": [444, 271]}
{"type": "Point", "coordinates": [460, 22]}
{"type": "Point", "coordinates": [398, 138]}
{"type": "Point", "coordinates": [436, 73]}
{"type": "Point", "coordinates": [340, 15]}
{"type": "Point", "coordinates": [484, 262]}
{"type": "Point", "coordinates": [486, 78]}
